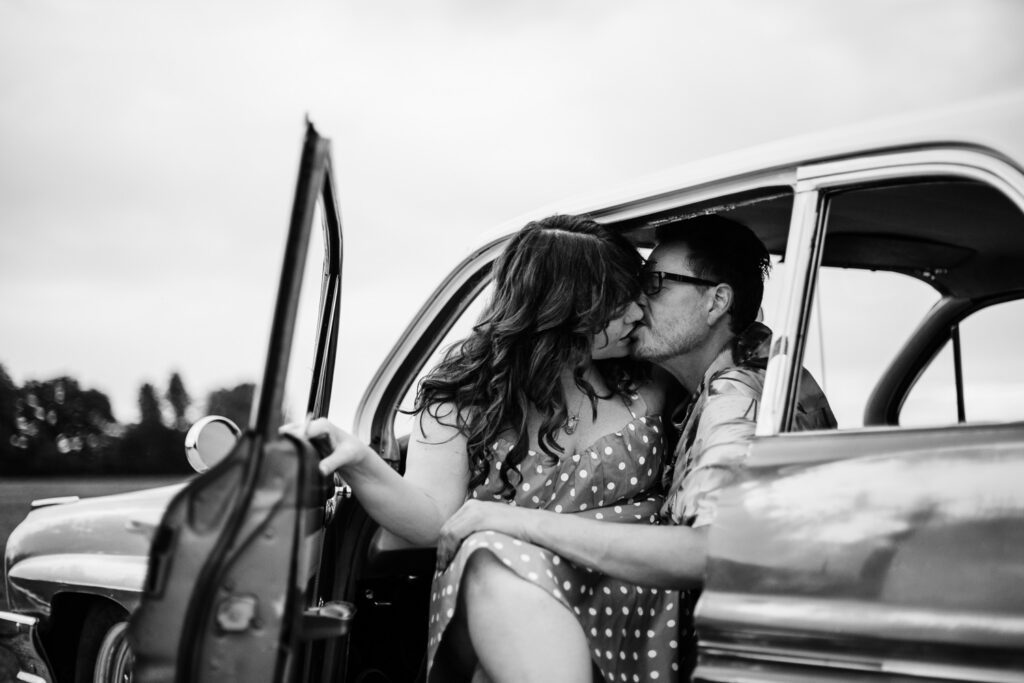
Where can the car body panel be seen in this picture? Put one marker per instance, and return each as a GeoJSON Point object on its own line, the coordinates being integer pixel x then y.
{"type": "Point", "coordinates": [21, 654]}
{"type": "Point", "coordinates": [872, 552]}
{"type": "Point", "coordinates": [810, 566]}
{"type": "Point", "coordinates": [231, 587]}
{"type": "Point", "coordinates": [93, 546]}
{"type": "Point", "coordinates": [268, 562]}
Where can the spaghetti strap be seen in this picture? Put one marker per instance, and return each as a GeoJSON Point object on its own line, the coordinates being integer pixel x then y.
{"type": "Point", "coordinates": [630, 400]}
{"type": "Point", "coordinates": [627, 400]}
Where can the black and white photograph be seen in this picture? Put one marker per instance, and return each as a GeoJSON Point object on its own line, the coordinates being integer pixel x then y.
{"type": "Point", "coordinates": [554, 341]}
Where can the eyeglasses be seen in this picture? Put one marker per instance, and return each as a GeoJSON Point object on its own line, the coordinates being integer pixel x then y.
{"type": "Point", "coordinates": [652, 281]}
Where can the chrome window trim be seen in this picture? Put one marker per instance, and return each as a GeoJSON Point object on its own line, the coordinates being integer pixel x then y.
{"type": "Point", "coordinates": [20, 619]}
{"type": "Point", "coordinates": [728, 665]}
{"type": "Point", "coordinates": [695, 194]}
{"type": "Point", "coordinates": [380, 384]}
{"type": "Point", "coordinates": [807, 232]}
{"type": "Point", "coordinates": [787, 342]}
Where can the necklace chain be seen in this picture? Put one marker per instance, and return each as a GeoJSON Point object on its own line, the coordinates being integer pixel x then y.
{"type": "Point", "coordinates": [572, 421]}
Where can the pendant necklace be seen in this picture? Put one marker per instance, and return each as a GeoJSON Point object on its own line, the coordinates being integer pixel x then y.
{"type": "Point", "coordinates": [573, 421]}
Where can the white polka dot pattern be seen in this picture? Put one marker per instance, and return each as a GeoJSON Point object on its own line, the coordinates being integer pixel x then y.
{"type": "Point", "coordinates": [627, 626]}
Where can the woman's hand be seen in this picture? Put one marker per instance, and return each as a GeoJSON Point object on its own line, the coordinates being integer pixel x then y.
{"type": "Point", "coordinates": [475, 515]}
{"type": "Point", "coordinates": [338, 448]}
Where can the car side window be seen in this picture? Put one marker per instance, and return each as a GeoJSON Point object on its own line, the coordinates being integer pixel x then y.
{"type": "Point", "coordinates": [992, 371]}
{"type": "Point", "coordinates": [459, 331]}
{"type": "Point", "coordinates": [859, 321]}
{"type": "Point", "coordinates": [898, 260]}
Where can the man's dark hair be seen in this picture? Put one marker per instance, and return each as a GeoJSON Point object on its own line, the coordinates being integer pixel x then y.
{"type": "Point", "coordinates": [723, 250]}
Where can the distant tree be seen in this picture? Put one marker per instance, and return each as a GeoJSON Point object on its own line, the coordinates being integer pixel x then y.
{"type": "Point", "coordinates": [234, 403]}
{"type": "Point", "coordinates": [179, 400]}
{"type": "Point", "coordinates": [149, 406]}
{"type": "Point", "coordinates": [151, 447]}
{"type": "Point", "coordinates": [62, 427]}
{"type": "Point", "coordinates": [8, 418]}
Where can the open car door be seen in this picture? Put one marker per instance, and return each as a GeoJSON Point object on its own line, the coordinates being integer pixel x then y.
{"type": "Point", "coordinates": [232, 591]}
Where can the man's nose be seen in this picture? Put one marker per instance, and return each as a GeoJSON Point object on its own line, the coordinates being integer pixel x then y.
{"type": "Point", "coordinates": [634, 312]}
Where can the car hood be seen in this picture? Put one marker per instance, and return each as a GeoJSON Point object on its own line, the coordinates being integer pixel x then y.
{"type": "Point", "coordinates": [93, 545]}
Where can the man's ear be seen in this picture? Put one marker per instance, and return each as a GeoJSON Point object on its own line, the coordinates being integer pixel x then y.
{"type": "Point", "coordinates": [720, 303]}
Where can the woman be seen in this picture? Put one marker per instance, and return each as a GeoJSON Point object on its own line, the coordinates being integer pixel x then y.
{"type": "Point", "coordinates": [540, 407]}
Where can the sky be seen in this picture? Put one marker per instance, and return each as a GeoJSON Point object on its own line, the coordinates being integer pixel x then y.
{"type": "Point", "coordinates": [148, 149]}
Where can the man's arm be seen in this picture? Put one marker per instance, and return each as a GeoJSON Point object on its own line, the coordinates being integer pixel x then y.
{"type": "Point", "coordinates": [665, 556]}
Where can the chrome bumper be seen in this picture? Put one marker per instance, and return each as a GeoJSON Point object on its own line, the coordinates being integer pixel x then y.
{"type": "Point", "coordinates": [21, 656]}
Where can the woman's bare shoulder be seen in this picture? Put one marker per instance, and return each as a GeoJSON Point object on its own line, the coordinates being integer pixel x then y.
{"type": "Point", "coordinates": [440, 420]}
{"type": "Point", "coordinates": [653, 391]}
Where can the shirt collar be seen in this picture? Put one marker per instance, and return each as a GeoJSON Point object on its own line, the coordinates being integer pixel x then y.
{"type": "Point", "coordinates": [751, 344]}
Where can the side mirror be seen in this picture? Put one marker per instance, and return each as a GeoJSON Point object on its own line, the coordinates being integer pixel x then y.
{"type": "Point", "coordinates": [209, 440]}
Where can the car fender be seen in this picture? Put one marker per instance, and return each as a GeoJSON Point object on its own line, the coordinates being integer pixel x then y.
{"type": "Point", "coordinates": [96, 546]}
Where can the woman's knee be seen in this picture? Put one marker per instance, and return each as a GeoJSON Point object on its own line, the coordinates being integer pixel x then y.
{"type": "Point", "coordinates": [485, 578]}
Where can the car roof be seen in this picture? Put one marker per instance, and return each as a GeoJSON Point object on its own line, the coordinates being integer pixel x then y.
{"type": "Point", "coordinates": [947, 245]}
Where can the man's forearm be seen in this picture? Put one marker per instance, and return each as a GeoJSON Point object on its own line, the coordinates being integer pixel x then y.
{"type": "Point", "coordinates": [666, 556]}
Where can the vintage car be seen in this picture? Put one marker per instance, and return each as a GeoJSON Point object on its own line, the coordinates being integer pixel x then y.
{"type": "Point", "coordinates": [890, 548]}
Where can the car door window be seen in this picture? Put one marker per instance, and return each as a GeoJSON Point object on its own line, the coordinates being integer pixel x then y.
{"type": "Point", "coordinates": [461, 329]}
{"type": "Point", "coordinates": [896, 259]}
{"type": "Point", "coordinates": [308, 322]}
{"type": "Point", "coordinates": [992, 369]}
{"type": "Point", "coordinates": [859, 321]}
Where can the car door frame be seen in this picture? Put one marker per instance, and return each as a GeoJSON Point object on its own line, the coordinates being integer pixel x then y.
{"type": "Point", "coordinates": [806, 239]}
{"type": "Point", "coordinates": [242, 471]}
{"type": "Point", "coordinates": [744, 635]}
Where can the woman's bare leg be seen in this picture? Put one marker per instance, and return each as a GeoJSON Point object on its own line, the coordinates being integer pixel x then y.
{"type": "Point", "coordinates": [519, 632]}
{"type": "Point", "coordinates": [480, 677]}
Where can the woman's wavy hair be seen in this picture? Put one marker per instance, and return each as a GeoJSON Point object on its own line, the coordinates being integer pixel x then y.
{"type": "Point", "coordinates": [559, 282]}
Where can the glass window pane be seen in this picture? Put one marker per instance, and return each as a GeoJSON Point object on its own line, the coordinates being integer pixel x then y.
{"type": "Point", "coordinates": [303, 351]}
{"type": "Point", "coordinates": [459, 331]}
{"type": "Point", "coordinates": [993, 364]}
{"type": "Point", "coordinates": [932, 400]}
{"type": "Point", "coordinates": [859, 321]}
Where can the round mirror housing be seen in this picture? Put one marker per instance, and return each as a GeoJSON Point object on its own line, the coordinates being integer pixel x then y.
{"type": "Point", "coordinates": [209, 440]}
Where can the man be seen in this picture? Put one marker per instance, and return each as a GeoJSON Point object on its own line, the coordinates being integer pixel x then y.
{"type": "Point", "coordinates": [702, 287]}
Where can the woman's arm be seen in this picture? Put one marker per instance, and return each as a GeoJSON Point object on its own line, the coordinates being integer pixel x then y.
{"type": "Point", "coordinates": [667, 556]}
{"type": "Point", "coordinates": [415, 506]}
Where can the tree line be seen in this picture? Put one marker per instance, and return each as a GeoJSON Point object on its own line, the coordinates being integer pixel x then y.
{"type": "Point", "coordinates": [57, 427]}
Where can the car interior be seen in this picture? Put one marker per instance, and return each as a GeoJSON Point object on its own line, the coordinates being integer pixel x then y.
{"type": "Point", "coordinates": [959, 240]}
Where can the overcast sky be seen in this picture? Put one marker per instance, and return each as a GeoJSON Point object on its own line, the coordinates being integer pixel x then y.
{"type": "Point", "coordinates": [148, 149]}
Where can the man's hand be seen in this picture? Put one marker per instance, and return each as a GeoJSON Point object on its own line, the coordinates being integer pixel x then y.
{"type": "Point", "coordinates": [475, 515]}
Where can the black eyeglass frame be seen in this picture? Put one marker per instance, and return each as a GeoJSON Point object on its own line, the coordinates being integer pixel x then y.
{"type": "Point", "coordinates": [649, 277]}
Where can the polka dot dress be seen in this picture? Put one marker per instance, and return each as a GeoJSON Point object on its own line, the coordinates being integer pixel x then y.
{"type": "Point", "coordinates": [633, 631]}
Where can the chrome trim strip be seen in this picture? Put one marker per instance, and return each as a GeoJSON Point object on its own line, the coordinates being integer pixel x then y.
{"type": "Point", "coordinates": [740, 612]}
{"type": "Point", "coordinates": [950, 671]}
{"type": "Point", "coordinates": [125, 573]}
{"type": "Point", "coordinates": [30, 678]}
{"type": "Point", "coordinates": [21, 650]}
{"type": "Point", "coordinates": [673, 197]}
{"type": "Point", "coordinates": [57, 500]}
{"type": "Point", "coordinates": [737, 658]}
{"type": "Point", "coordinates": [803, 258]}
{"type": "Point", "coordinates": [22, 619]}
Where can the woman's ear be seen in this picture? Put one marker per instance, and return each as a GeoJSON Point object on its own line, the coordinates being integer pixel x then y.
{"type": "Point", "coordinates": [720, 303]}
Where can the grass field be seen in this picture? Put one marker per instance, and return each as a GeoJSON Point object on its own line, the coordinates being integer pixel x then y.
{"type": "Point", "coordinates": [17, 494]}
